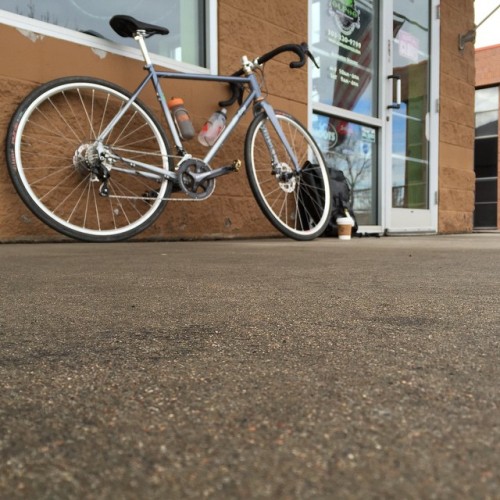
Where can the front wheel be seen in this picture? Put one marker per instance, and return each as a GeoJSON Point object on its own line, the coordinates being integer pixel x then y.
{"type": "Point", "coordinates": [296, 202]}
{"type": "Point", "coordinates": [77, 181]}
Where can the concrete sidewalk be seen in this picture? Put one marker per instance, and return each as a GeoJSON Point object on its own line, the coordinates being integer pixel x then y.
{"type": "Point", "coordinates": [251, 369]}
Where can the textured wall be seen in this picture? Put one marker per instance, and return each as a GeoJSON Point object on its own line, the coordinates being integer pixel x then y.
{"type": "Point", "coordinates": [456, 149]}
{"type": "Point", "coordinates": [488, 66]}
{"type": "Point", "coordinates": [231, 211]}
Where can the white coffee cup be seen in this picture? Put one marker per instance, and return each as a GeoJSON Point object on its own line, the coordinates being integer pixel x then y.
{"type": "Point", "coordinates": [344, 226]}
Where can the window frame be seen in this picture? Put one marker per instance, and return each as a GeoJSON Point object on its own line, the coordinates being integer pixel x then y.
{"type": "Point", "coordinates": [482, 205]}
{"type": "Point", "coordinates": [34, 27]}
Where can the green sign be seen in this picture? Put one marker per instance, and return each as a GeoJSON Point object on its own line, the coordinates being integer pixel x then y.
{"type": "Point", "coordinates": [346, 14]}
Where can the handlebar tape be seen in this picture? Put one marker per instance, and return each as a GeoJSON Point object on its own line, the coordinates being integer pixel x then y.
{"type": "Point", "coordinates": [302, 51]}
{"type": "Point", "coordinates": [291, 47]}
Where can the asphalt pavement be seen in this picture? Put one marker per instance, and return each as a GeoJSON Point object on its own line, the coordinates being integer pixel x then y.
{"type": "Point", "coordinates": [362, 369]}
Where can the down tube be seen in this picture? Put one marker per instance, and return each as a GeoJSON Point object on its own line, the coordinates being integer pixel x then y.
{"type": "Point", "coordinates": [230, 127]}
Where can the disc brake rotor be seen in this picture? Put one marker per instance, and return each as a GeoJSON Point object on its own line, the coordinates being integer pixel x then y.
{"type": "Point", "coordinates": [286, 178]}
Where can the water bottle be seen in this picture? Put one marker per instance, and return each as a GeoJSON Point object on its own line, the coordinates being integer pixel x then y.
{"type": "Point", "coordinates": [213, 128]}
{"type": "Point", "coordinates": [181, 118]}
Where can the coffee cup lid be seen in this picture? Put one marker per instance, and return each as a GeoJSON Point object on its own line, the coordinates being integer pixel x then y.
{"type": "Point", "coordinates": [345, 221]}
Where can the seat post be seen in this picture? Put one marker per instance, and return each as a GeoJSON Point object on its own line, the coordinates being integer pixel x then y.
{"type": "Point", "coordinates": [139, 36]}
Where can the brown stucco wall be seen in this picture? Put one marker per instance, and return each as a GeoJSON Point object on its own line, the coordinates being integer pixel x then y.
{"type": "Point", "coordinates": [231, 212]}
{"type": "Point", "coordinates": [488, 66]}
{"type": "Point", "coordinates": [456, 148]}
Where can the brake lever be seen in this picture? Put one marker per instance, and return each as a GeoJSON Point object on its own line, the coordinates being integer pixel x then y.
{"type": "Point", "coordinates": [309, 54]}
{"type": "Point", "coordinates": [305, 50]}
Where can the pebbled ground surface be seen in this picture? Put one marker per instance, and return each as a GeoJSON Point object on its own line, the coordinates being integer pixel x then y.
{"type": "Point", "coordinates": [364, 369]}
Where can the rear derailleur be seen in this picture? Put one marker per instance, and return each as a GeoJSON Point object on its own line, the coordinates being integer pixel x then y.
{"type": "Point", "coordinates": [89, 158]}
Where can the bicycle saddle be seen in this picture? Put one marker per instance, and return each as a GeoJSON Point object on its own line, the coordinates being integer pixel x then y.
{"type": "Point", "coordinates": [126, 26]}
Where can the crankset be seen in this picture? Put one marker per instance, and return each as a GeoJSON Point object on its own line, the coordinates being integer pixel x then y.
{"type": "Point", "coordinates": [194, 179]}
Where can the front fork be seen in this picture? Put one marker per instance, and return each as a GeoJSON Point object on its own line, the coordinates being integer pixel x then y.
{"type": "Point", "coordinates": [276, 164]}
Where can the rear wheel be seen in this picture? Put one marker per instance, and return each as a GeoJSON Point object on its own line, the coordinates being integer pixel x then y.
{"type": "Point", "coordinates": [297, 203]}
{"type": "Point", "coordinates": [79, 187]}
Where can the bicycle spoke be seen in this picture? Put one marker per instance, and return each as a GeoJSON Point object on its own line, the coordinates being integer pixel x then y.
{"type": "Point", "coordinates": [298, 208]}
{"type": "Point", "coordinates": [55, 163]}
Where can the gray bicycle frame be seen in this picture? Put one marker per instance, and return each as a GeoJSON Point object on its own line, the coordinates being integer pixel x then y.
{"type": "Point", "coordinates": [254, 96]}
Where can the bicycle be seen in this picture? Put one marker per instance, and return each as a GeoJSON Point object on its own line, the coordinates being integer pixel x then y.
{"type": "Point", "coordinates": [94, 163]}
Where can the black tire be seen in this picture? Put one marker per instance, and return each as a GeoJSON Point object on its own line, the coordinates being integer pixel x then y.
{"type": "Point", "coordinates": [49, 152]}
{"type": "Point", "coordinates": [297, 203]}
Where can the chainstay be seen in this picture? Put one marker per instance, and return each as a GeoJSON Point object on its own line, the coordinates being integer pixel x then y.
{"type": "Point", "coordinates": [153, 199]}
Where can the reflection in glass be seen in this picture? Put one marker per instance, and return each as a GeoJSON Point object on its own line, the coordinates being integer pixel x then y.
{"type": "Point", "coordinates": [486, 158]}
{"type": "Point", "coordinates": [486, 123]}
{"type": "Point", "coordinates": [184, 19]}
{"type": "Point", "coordinates": [487, 112]}
{"type": "Point", "coordinates": [410, 153]}
{"type": "Point", "coordinates": [344, 41]}
{"type": "Point", "coordinates": [487, 99]}
{"type": "Point", "coordinates": [351, 148]}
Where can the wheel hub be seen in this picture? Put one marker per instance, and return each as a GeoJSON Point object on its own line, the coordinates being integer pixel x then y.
{"type": "Point", "coordinates": [286, 178]}
{"type": "Point", "coordinates": [86, 159]}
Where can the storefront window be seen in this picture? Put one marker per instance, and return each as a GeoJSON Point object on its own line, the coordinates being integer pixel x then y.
{"type": "Point", "coordinates": [486, 158]}
{"type": "Point", "coordinates": [184, 18]}
{"type": "Point", "coordinates": [344, 39]}
{"type": "Point", "coordinates": [351, 147]}
{"type": "Point", "coordinates": [486, 108]}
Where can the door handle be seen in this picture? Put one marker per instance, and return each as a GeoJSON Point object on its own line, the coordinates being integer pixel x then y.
{"type": "Point", "coordinates": [396, 104]}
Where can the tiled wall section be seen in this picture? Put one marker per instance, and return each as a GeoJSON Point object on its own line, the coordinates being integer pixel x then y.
{"type": "Point", "coordinates": [488, 66]}
{"type": "Point", "coordinates": [456, 149]}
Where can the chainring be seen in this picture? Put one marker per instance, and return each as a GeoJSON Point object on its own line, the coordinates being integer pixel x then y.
{"type": "Point", "coordinates": [199, 189]}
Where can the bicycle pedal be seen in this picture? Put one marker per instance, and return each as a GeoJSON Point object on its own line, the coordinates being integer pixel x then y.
{"type": "Point", "coordinates": [236, 165]}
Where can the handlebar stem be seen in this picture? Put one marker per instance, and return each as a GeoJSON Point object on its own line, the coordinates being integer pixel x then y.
{"type": "Point", "coordinates": [247, 65]}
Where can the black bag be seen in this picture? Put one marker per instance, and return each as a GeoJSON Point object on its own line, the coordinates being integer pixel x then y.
{"type": "Point", "coordinates": [312, 197]}
{"type": "Point", "coordinates": [341, 202]}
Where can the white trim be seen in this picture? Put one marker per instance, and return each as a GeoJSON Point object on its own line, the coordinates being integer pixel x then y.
{"type": "Point", "coordinates": [54, 31]}
{"type": "Point", "coordinates": [434, 56]}
{"type": "Point", "coordinates": [385, 97]}
{"type": "Point", "coordinates": [309, 68]}
{"type": "Point", "coordinates": [212, 40]}
{"type": "Point", "coordinates": [403, 220]}
{"type": "Point", "coordinates": [347, 115]}
{"type": "Point", "coordinates": [375, 229]}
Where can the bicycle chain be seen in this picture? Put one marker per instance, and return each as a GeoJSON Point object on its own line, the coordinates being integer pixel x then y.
{"type": "Point", "coordinates": [152, 199]}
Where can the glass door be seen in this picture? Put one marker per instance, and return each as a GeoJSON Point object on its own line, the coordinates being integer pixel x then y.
{"type": "Point", "coordinates": [345, 97]}
{"type": "Point", "coordinates": [374, 106]}
{"type": "Point", "coordinates": [408, 110]}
